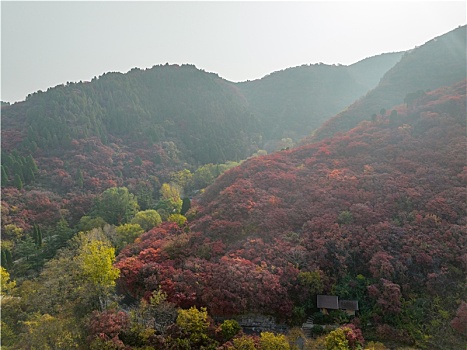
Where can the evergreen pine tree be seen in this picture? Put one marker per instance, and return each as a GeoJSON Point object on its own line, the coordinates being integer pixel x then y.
{"type": "Point", "coordinates": [186, 205]}
{"type": "Point", "coordinates": [79, 178]}
{"type": "Point", "coordinates": [29, 175]}
{"type": "Point", "coordinates": [39, 236]}
{"type": "Point", "coordinates": [35, 234]}
{"type": "Point", "coordinates": [18, 182]}
{"type": "Point", "coordinates": [138, 161]}
{"type": "Point", "coordinates": [3, 258]}
{"type": "Point", "coordinates": [5, 178]}
{"type": "Point", "coordinates": [9, 258]}
{"type": "Point", "coordinates": [31, 164]}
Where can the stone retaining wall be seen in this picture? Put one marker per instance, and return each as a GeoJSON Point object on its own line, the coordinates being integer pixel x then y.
{"type": "Point", "coordinates": [255, 324]}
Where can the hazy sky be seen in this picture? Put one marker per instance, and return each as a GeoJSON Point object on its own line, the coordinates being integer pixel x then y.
{"type": "Point", "coordinates": [44, 44]}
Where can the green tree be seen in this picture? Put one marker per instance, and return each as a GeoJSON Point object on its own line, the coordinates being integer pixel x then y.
{"type": "Point", "coordinates": [147, 219]}
{"type": "Point", "coordinates": [183, 179]}
{"type": "Point", "coordinates": [7, 259]}
{"type": "Point", "coordinates": [177, 218]}
{"type": "Point", "coordinates": [37, 235]}
{"type": "Point", "coordinates": [59, 287]}
{"type": "Point", "coordinates": [26, 248]}
{"type": "Point", "coordinates": [30, 168]}
{"type": "Point", "coordinates": [127, 234]}
{"type": "Point", "coordinates": [170, 202]}
{"type": "Point", "coordinates": [62, 231]}
{"type": "Point", "coordinates": [79, 178]}
{"type": "Point", "coordinates": [229, 329]}
{"type": "Point", "coordinates": [311, 284]}
{"type": "Point", "coordinates": [18, 182]}
{"type": "Point", "coordinates": [170, 191]}
{"type": "Point", "coordinates": [87, 223]}
{"type": "Point", "coordinates": [204, 176]}
{"type": "Point", "coordinates": [312, 281]}
{"type": "Point", "coordinates": [116, 205]}
{"type": "Point", "coordinates": [144, 191]}
{"type": "Point", "coordinates": [156, 313]}
{"type": "Point", "coordinates": [186, 205]}
{"type": "Point", "coordinates": [345, 217]}
{"type": "Point", "coordinates": [5, 178]}
{"type": "Point", "coordinates": [137, 161]}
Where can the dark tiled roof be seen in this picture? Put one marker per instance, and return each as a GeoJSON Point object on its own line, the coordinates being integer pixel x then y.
{"type": "Point", "coordinates": [348, 305]}
{"type": "Point", "coordinates": [327, 302]}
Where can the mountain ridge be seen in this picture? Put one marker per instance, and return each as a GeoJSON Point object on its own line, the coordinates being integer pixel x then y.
{"type": "Point", "coordinates": [375, 214]}
{"type": "Point", "coordinates": [440, 61]}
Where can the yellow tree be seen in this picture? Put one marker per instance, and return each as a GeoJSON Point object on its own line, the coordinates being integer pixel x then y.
{"type": "Point", "coordinates": [270, 341]}
{"type": "Point", "coordinates": [46, 332]}
{"type": "Point", "coordinates": [6, 285]}
{"type": "Point", "coordinates": [96, 260]}
{"type": "Point", "coordinates": [194, 325]}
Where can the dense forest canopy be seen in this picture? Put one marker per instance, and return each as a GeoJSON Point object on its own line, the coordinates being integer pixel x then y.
{"type": "Point", "coordinates": [376, 214]}
{"type": "Point", "coordinates": [293, 102]}
{"type": "Point", "coordinates": [143, 211]}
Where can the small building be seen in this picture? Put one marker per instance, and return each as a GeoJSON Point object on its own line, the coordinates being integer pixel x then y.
{"type": "Point", "coordinates": [349, 306]}
{"type": "Point", "coordinates": [330, 302]}
{"type": "Point", "coordinates": [326, 303]}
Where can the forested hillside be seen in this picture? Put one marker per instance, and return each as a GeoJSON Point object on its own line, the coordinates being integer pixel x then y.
{"type": "Point", "coordinates": [440, 61]}
{"type": "Point", "coordinates": [142, 211]}
{"type": "Point", "coordinates": [63, 147]}
{"type": "Point", "coordinates": [203, 117]}
{"type": "Point", "coordinates": [377, 214]}
{"type": "Point", "coordinates": [293, 102]}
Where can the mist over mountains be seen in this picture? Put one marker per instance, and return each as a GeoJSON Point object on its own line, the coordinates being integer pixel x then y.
{"type": "Point", "coordinates": [208, 118]}
{"type": "Point", "coordinates": [441, 61]}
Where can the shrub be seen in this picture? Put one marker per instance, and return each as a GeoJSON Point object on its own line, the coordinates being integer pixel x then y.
{"type": "Point", "coordinates": [230, 329]}
{"type": "Point", "coordinates": [271, 341]}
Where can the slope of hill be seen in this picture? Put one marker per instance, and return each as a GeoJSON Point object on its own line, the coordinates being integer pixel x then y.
{"type": "Point", "coordinates": [441, 61]}
{"type": "Point", "coordinates": [293, 102]}
{"type": "Point", "coordinates": [377, 214]}
{"type": "Point", "coordinates": [170, 117]}
{"type": "Point", "coordinates": [134, 129]}
{"type": "Point", "coordinates": [370, 70]}
{"type": "Point", "coordinates": [207, 118]}
{"type": "Point", "coordinates": [204, 116]}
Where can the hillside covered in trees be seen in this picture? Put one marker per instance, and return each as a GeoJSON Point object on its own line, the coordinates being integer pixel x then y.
{"type": "Point", "coordinates": [294, 102]}
{"type": "Point", "coordinates": [376, 214]}
{"type": "Point", "coordinates": [179, 108]}
{"type": "Point", "coordinates": [198, 116]}
{"type": "Point", "coordinates": [142, 211]}
{"type": "Point", "coordinates": [63, 147]}
{"type": "Point", "coordinates": [439, 62]}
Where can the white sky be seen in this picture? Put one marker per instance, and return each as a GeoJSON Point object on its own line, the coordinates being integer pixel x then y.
{"type": "Point", "coordinates": [44, 44]}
